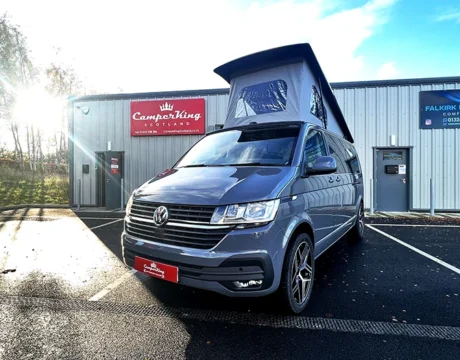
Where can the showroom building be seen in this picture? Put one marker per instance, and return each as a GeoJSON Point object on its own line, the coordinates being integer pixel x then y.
{"type": "Point", "coordinates": [406, 132]}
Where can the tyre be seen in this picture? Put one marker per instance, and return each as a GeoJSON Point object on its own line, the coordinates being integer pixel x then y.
{"type": "Point", "coordinates": [357, 231]}
{"type": "Point", "coordinates": [298, 274]}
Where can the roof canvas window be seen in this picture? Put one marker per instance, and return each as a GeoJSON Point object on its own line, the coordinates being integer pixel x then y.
{"type": "Point", "coordinates": [317, 107]}
{"type": "Point", "coordinates": [262, 98]}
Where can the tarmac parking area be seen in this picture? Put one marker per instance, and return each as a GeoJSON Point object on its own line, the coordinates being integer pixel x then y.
{"type": "Point", "coordinates": [65, 293]}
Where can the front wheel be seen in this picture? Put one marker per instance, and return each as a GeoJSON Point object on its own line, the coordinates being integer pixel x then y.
{"type": "Point", "coordinates": [298, 274]}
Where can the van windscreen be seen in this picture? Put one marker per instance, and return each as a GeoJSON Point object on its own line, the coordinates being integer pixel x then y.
{"type": "Point", "coordinates": [272, 146]}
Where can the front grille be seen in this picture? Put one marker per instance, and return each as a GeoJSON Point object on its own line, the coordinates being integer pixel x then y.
{"type": "Point", "coordinates": [176, 235]}
{"type": "Point", "coordinates": [179, 213]}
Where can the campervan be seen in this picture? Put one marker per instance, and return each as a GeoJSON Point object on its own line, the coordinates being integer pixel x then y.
{"type": "Point", "coordinates": [248, 209]}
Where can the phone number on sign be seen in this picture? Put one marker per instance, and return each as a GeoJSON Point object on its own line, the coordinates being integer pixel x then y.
{"type": "Point", "coordinates": [451, 121]}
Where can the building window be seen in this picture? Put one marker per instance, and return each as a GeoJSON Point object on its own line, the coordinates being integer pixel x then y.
{"type": "Point", "coordinates": [317, 107]}
{"type": "Point", "coordinates": [264, 98]}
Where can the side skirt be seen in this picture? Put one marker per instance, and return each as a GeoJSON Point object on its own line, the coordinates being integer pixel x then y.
{"type": "Point", "coordinates": [332, 238]}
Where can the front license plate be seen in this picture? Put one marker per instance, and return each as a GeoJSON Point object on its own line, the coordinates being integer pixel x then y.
{"type": "Point", "coordinates": [156, 269]}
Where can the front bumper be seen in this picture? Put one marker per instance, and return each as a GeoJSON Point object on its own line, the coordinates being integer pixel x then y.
{"type": "Point", "coordinates": [239, 257]}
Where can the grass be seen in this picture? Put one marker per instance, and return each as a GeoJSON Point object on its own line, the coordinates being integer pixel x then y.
{"type": "Point", "coordinates": [17, 188]}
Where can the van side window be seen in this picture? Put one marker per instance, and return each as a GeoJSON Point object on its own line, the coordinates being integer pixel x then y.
{"type": "Point", "coordinates": [336, 150]}
{"type": "Point", "coordinates": [314, 147]}
{"type": "Point", "coordinates": [351, 159]}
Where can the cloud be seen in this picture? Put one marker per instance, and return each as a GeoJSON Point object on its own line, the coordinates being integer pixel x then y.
{"type": "Point", "coordinates": [451, 15]}
{"type": "Point", "coordinates": [387, 71]}
{"type": "Point", "coordinates": [176, 44]}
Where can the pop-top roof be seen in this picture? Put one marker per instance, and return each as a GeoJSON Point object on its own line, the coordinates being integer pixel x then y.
{"type": "Point", "coordinates": [284, 56]}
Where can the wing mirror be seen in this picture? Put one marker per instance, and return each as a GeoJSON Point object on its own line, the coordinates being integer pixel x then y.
{"type": "Point", "coordinates": [323, 165]}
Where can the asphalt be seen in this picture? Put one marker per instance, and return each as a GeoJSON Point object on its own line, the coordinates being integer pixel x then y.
{"type": "Point", "coordinates": [441, 242]}
{"type": "Point", "coordinates": [373, 299]}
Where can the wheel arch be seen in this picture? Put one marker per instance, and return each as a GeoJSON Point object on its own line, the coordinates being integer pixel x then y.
{"type": "Point", "coordinates": [303, 226]}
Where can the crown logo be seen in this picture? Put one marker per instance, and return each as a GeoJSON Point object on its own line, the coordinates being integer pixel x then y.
{"type": "Point", "coordinates": [166, 107]}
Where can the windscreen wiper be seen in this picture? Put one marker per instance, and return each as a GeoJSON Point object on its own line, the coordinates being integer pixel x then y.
{"type": "Point", "coordinates": [255, 164]}
{"type": "Point", "coordinates": [195, 165]}
{"type": "Point", "coordinates": [203, 165]}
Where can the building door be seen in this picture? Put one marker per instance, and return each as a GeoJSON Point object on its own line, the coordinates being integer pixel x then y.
{"type": "Point", "coordinates": [109, 172]}
{"type": "Point", "coordinates": [100, 179]}
{"type": "Point", "coordinates": [391, 171]}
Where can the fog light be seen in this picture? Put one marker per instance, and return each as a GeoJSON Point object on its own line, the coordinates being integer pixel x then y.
{"type": "Point", "coordinates": [245, 284]}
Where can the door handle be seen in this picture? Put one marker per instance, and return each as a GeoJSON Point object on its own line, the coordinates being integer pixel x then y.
{"type": "Point", "coordinates": [338, 178]}
{"type": "Point", "coordinates": [403, 180]}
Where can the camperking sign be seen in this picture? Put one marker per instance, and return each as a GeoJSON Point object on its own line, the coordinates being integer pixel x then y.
{"type": "Point", "coordinates": [168, 117]}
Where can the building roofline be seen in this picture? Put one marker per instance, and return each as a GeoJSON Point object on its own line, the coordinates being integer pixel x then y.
{"type": "Point", "coordinates": [225, 91]}
{"type": "Point", "coordinates": [397, 82]}
{"type": "Point", "coordinates": [149, 95]}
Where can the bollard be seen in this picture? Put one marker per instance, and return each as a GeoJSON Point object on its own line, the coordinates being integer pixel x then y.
{"type": "Point", "coordinates": [122, 205]}
{"type": "Point", "coordinates": [371, 201]}
{"type": "Point", "coordinates": [79, 195]}
{"type": "Point", "coordinates": [432, 199]}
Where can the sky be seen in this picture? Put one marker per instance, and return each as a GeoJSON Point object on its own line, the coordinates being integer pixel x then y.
{"type": "Point", "coordinates": [140, 46]}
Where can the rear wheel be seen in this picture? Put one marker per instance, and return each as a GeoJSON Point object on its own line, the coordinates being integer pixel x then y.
{"type": "Point", "coordinates": [298, 274]}
{"type": "Point", "coordinates": [357, 232]}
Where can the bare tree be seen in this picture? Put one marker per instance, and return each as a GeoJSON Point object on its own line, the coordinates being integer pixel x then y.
{"type": "Point", "coordinates": [16, 72]}
{"type": "Point", "coordinates": [62, 82]}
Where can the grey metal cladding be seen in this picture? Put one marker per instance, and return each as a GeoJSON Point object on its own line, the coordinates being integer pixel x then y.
{"type": "Point", "coordinates": [373, 111]}
{"type": "Point", "coordinates": [145, 156]}
{"type": "Point", "coordinates": [373, 114]}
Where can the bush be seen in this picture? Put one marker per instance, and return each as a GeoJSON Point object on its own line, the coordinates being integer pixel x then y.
{"type": "Point", "coordinates": [27, 187]}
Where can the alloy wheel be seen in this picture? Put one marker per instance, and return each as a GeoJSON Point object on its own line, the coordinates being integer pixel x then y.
{"type": "Point", "coordinates": [361, 220]}
{"type": "Point", "coordinates": [301, 273]}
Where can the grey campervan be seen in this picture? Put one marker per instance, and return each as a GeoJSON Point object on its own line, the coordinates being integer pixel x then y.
{"type": "Point", "coordinates": [248, 209]}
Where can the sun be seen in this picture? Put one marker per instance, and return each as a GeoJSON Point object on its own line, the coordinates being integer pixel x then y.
{"type": "Point", "coordinates": [34, 106]}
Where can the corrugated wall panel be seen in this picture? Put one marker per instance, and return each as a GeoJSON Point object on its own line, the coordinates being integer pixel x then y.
{"type": "Point", "coordinates": [145, 156]}
{"type": "Point", "coordinates": [404, 121]}
{"type": "Point", "coordinates": [395, 110]}
{"type": "Point", "coordinates": [370, 139]}
{"type": "Point", "coordinates": [381, 118]}
{"type": "Point", "coordinates": [373, 114]}
{"type": "Point", "coordinates": [414, 140]}
{"type": "Point", "coordinates": [393, 115]}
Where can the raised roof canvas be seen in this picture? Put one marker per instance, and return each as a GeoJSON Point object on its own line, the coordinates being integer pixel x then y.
{"type": "Point", "coordinates": [281, 84]}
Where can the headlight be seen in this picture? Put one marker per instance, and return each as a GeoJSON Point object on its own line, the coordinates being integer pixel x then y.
{"type": "Point", "coordinates": [258, 212]}
{"type": "Point", "coordinates": [129, 205]}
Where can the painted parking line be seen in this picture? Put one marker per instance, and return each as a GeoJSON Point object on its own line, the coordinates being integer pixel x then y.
{"type": "Point", "coordinates": [112, 286]}
{"type": "Point", "coordinates": [418, 225]}
{"type": "Point", "coordinates": [109, 223]}
{"type": "Point", "coordinates": [52, 217]}
{"type": "Point", "coordinates": [440, 262]}
{"type": "Point", "coordinates": [19, 217]}
{"type": "Point", "coordinates": [98, 218]}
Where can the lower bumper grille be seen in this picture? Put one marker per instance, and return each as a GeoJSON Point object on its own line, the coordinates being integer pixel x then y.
{"type": "Point", "coordinates": [191, 237]}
